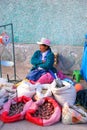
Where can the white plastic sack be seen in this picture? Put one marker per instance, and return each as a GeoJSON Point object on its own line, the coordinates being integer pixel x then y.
{"type": "Point", "coordinates": [67, 93]}
{"type": "Point", "coordinates": [24, 89]}
{"type": "Point", "coordinates": [5, 84]}
{"type": "Point", "coordinates": [2, 82]}
{"type": "Point", "coordinates": [43, 90]}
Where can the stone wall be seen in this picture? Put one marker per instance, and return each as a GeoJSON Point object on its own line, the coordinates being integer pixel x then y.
{"type": "Point", "coordinates": [69, 57]}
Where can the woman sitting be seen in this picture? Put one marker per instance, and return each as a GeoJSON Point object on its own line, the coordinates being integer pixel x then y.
{"type": "Point", "coordinates": [42, 61]}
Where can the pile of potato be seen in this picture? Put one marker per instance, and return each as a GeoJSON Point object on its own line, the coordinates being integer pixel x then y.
{"type": "Point", "coordinates": [16, 108]}
{"type": "Point", "coordinates": [44, 111]}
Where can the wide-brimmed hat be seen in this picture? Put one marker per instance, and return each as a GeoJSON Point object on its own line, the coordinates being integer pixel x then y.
{"type": "Point", "coordinates": [44, 41]}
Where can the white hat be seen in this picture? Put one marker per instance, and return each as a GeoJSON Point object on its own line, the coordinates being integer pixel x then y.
{"type": "Point", "coordinates": [44, 41]}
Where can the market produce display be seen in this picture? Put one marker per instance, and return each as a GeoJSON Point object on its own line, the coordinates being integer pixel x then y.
{"type": "Point", "coordinates": [45, 106]}
{"type": "Point", "coordinates": [44, 113]}
{"type": "Point", "coordinates": [15, 109]}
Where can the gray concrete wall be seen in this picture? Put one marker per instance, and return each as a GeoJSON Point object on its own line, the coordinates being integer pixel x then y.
{"type": "Point", "coordinates": [69, 56]}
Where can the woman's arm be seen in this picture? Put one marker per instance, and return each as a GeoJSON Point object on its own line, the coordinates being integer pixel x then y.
{"type": "Point", "coordinates": [48, 64]}
{"type": "Point", "coordinates": [35, 60]}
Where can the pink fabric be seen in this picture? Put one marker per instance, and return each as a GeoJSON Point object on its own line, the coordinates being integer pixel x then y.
{"type": "Point", "coordinates": [44, 79]}
{"type": "Point", "coordinates": [7, 105]}
{"type": "Point", "coordinates": [61, 75]}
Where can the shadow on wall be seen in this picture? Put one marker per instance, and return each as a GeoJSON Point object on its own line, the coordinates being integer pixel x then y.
{"type": "Point", "coordinates": [69, 57]}
{"type": "Point", "coordinates": [67, 63]}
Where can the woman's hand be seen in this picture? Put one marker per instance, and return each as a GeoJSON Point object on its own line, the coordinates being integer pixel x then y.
{"type": "Point", "coordinates": [43, 61]}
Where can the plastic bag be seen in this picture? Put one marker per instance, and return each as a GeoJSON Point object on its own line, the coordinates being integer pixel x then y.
{"type": "Point", "coordinates": [84, 63]}
{"type": "Point", "coordinates": [26, 89]}
{"type": "Point", "coordinates": [66, 93]}
{"type": "Point", "coordinates": [43, 90]}
{"type": "Point", "coordinates": [3, 82]}
{"type": "Point", "coordinates": [73, 115]}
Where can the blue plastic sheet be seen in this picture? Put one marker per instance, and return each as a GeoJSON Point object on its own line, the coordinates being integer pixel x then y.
{"type": "Point", "coordinates": [84, 63]}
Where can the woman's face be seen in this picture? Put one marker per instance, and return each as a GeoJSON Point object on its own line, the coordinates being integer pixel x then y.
{"type": "Point", "coordinates": [43, 48]}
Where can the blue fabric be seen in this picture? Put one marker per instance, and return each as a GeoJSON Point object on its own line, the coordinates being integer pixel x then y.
{"type": "Point", "coordinates": [53, 75]}
{"type": "Point", "coordinates": [36, 61]}
{"type": "Point", "coordinates": [35, 74]}
{"type": "Point", "coordinates": [84, 63]}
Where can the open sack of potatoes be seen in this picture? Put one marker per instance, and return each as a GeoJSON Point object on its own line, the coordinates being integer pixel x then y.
{"type": "Point", "coordinates": [15, 109]}
{"type": "Point", "coordinates": [44, 112]}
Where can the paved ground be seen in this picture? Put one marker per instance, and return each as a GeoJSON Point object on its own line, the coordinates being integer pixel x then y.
{"type": "Point", "coordinates": [25, 125]}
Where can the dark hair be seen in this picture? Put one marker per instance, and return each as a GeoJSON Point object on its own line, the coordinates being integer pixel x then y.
{"type": "Point", "coordinates": [48, 47]}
